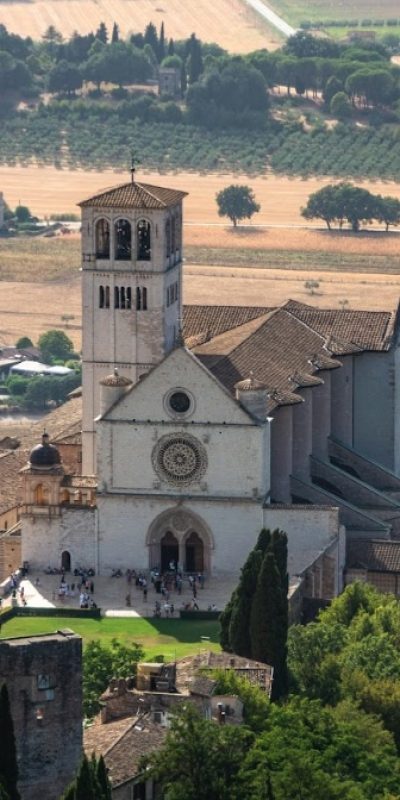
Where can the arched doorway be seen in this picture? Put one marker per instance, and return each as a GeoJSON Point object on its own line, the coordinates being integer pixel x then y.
{"type": "Point", "coordinates": [194, 553]}
{"type": "Point", "coordinates": [66, 561]}
{"type": "Point", "coordinates": [169, 551]}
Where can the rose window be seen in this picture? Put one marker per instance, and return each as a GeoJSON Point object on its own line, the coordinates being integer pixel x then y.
{"type": "Point", "coordinates": [179, 459]}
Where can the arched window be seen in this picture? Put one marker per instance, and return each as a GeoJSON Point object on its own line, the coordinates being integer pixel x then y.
{"type": "Point", "coordinates": [173, 238]}
{"type": "Point", "coordinates": [138, 299]}
{"type": "Point", "coordinates": [40, 495]}
{"type": "Point", "coordinates": [101, 297]}
{"type": "Point", "coordinates": [144, 298]}
{"type": "Point", "coordinates": [167, 238]}
{"type": "Point", "coordinates": [122, 297]}
{"type": "Point", "coordinates": [123, 240]}
{"type": "Point", "coordinates": [143, 240]}
{"type": "Point", "coordinates": [141, 298]}
{"type": "Point", "coordinates": [128, 303]}
{"type": "Point", "coordinates": [116, 297]}
{"type": "Point", "coordinates": [102, 239]}
{"type": "Point", "coordinates": [107, 297]}
{"type": "Point", "coordinates": [178, 233]}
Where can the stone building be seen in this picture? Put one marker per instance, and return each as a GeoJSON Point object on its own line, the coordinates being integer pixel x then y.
{"type": "Point", "coordinates": [201, 424]}
{"type": "Point", "coordinates": [43, 675]}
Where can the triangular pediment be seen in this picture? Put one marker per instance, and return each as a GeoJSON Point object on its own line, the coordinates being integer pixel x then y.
{"type": "Point", "coordinates": [180, 371]}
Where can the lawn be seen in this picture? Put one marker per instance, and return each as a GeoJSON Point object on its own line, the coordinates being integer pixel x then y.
{"type": "Point", "coordinates": [173, 638]}
{"type": "Point", "coordinates": [296, 11]}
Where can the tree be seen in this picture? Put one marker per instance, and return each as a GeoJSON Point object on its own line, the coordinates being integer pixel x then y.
{"type": "Point", "coordinates": [161, 44]}
{"type": "Point", "coordinates": [8, 755]}
{"type": "Point", "coordinates": [24, 342]}
{"type": "Point", "coordinates": [102, 663]}
{"type": "Point", "coordinates": [55, 344]}
{"type": "Point", "coordinates": [102, 779]}
{"type": "Point", "coordinates": [151, 38]}
{"type": "Point", "coordinates": [311, 286]}
{"type": "Point", "coordinates": [340, 106]}
{"type": "Point", "coordinates": [239, 627]}
{"type": "Point", "coordinates": [22, 213]}
{"type": "Point", "coordinates": [102, 33]}
{"type": "Point", "coordinates": [115, 34]}
{"type": "Point", "coordinates": [64, 77]}
{"type": "Point", "coordinates": [199, 759]}
{"type": "Point", "coordinates": [237, 202]}
{"type": "Point", "coordinates": [268, 622]}
{"type": "Point", "coordinates": [388, 210]}
{"type": "Point", "coordinates": [194, 61]}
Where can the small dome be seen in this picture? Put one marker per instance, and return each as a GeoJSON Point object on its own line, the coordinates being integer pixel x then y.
{"type": "Point", "coordinates": [250, 384]}
{"type": "Point", "coordinates": [44, 454]}
{"type": "Point", "coordinates": [115, 380]}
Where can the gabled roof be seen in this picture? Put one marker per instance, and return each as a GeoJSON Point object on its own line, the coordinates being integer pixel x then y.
{"type": "Point", "coordinates": [278, 349]}
{"type": "Point", "coordinates": [365, 330]}
{"type": "Point", "coordinates": [373, 555]}
{"type": "Point", "coordinates": [204, 322]}
{"type": "Point", "coordinates": [135, 195]}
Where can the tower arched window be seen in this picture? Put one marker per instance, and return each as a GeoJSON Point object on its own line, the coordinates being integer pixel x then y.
{"type": "Point", "coordinates": [123, 240]}
{"type": "Point", "coordinates": [116, 297]}
{"type": "Point", "coordinates": [107, 297]}
{"type": "Point", "coordinates": [167, 238]}
{"type": "Point", "coordinates": [122, 297]}
{"type": "Point", "coordinates": [143, 240]}
{"type": "Point", "coordinates": [173, 238]}
{"type": "Point", "coordinates": [138, 299]}
{"type": "Point", "coordinates": [144, 299]}
{"type": "Point", "coordinates": [128, 301]}
{"type": "Point", "coordinates": [102, 298]}
{"type": "Point", "coordinates": [102, 239]}
{"type": "Point", "coordinates": [141, 298]}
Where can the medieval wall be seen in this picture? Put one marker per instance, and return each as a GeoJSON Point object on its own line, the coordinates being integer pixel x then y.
{"type": "Point", "coordinates": [45, 538]}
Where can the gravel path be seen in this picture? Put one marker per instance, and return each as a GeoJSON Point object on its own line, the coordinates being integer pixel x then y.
{"type": "Point", "coordinates": [271, 17]}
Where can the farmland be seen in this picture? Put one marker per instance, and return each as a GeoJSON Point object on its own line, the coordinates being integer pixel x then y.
{"type": "Point", "coordinates": [230, 23]}
{"type": "Point", "coordinates": [47, 190]}
{"type": "Point", "coordinates": [296, 11]}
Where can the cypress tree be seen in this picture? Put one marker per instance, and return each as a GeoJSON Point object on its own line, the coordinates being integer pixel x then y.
{"type": "Point", "coordinates": [69, 793]}
{"type": "Point", "coordinates": [239, 631]}
{"type": "Point", "coordinates": [85, 784]}
{"type": "Point", "coordinates": [280, 548]}
{"type": "Point", "coordinates": [171, 47]}
{"type": "Point", "coordinates": [161, 44]}
{"type": "Point", "coordinates": [102, 779]}
{"type": "Point", "coordinates": [264, 540]}
{"type": "Point", "coordinates": [195, 59]}
{"type": "Point", "coordinates": [225, 621]}
{"type": "Point", "coordinates": [8, 755]}
{"type": "Point", "coordinates": [150, 37]}
{"type": "Point", "coordinates": [115, 34]}
{"type": "Point", "coordinates": [268, 632]}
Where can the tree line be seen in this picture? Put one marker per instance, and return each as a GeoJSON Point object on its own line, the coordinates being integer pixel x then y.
{"type": "Point", "coordinates": [343, 202]}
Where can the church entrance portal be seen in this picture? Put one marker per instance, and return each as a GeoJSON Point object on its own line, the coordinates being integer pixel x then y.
{"type": "Point", "coordinates": [194, 553]}
{"type": "Point", "coordinates": [66, 561]}
{"type": "Point", "coordinates": [169, 551]}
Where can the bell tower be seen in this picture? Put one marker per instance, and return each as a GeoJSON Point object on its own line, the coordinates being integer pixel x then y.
{"type": "Point", "coordinates": [131, 288]}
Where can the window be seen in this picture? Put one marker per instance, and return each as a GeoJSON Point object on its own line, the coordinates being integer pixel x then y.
{"type": "Point", "coordinates": [143, 240]}
{"type": "Point", "coordinates": [141, 298]}
{"type": "Point", "coordinates": [128, 302]}
{"type": "Point", "coordinates": [116, 297]}
{"type": "Point", "coordinates": [102, 239]}
{"type": "Point", "coordinates": [167, 238]}
{"type": "Point", "coordinates": [107, 297]}
{"type": "Point", "coordinates": [122, 297]}
{"type": "Point", "coordinates": [173, 238]}
{"type": "Point", "coordinates": [101, 297]}
{"type": "Point", "coordinates": [123, 240]}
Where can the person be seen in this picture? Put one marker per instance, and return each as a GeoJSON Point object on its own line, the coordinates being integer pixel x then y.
{"type": "Point", "coordinates": [195, 606]}
{"type": "Point", "coordinates": [37, 581]}
{"type": "Point", "coordinates": [145, 593]}
{"type": "Point", "coordinates": [91, 587]}
{"type": "Point", "coordinates": [128, 600]}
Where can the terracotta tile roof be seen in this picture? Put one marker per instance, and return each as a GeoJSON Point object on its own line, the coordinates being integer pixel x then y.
{"type": "Point", "coordinates": [374, 555]}
{"type": "Point", "coordinates": [123, 743]}
{"type": "Point", "coordinates": [208, 321]}
{"type": "Point", "coordinates": [71, 435]}
{"type": "Point", "coordinates": [11, 461]}
{"type": "Point", "coordinates": [187, 669]}
{"type": "Point", "coordinates": [135, 195]}
{"type": "Point", "coordinates": [366, 330]}
{"type": "Point", "coordinates": [277, 351]}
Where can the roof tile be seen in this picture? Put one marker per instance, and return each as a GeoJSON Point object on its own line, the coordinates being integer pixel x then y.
{"type": "Point", "coordinates": [135, 195]}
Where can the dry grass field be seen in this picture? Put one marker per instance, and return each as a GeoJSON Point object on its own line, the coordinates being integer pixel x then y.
{"type": "Point", "coordinates": [32, 308]}
{"type": "Point", "coordinates": [230, 23]}
{"type": "Point", "coordinates": [47, 190]}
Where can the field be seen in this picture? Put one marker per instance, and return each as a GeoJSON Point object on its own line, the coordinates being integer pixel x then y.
{"type": "Point", "coordinates": [296, 11]}
{"type": "Point", "coordinates": [228, 22]}
{"type": "Point", "coordinates": [173, 638]}
{"type": "Point", "coordinates": [47, 190]}
{"type": "Point", "coordinates": [364, 275]}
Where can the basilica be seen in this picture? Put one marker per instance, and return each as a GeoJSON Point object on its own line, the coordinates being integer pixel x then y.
{"type": "Point", "coordinates": [202, 424]}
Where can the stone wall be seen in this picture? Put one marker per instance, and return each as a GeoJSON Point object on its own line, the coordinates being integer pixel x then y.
{"type": "Point", "coordinates": [44, 680]}
{"type": "Point", "coordinates": [45, 538]}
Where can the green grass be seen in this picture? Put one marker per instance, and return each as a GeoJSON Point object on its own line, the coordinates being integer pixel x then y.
{"type": "Point", "coordinates": [296, 11]}
{"type": "Point", "coordinates": [173, 638]}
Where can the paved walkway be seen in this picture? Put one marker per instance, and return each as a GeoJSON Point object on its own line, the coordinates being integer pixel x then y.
{"type": "Point", "coordinates": [110, 594]}
{"type": "Point", "coordinates": [271, 17]}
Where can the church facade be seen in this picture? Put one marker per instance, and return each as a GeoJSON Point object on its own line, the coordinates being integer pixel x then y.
{"type": "Point", "coordinates": [203, 424]}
